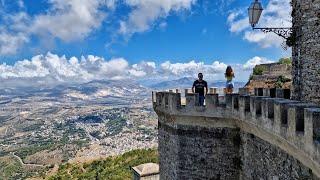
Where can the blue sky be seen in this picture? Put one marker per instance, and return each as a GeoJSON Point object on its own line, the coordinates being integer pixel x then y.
{"type": "Point", "coordinates": [152, 38]}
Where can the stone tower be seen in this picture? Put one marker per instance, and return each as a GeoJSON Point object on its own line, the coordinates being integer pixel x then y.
{"type": "Point", "coordinates": [306, 51]}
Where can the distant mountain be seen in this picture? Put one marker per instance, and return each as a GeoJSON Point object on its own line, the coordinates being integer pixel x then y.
{"type": "Point", "coordinates": [187, 82]}
{"type": "Point", "coordinates": [222, 84]}
{"type": "Point", "coordinates": [102, 91]}
{"type": "Point", "coordinates": [178, 83]}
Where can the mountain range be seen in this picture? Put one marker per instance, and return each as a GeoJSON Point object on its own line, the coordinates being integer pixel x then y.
{"type": "Point", "coordinates": [102, 90]}
{"type": "Point", "coordinates": [187, 82]}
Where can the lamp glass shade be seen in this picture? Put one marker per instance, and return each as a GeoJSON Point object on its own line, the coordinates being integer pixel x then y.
{"type": "Point", "coordinates": [255, 11]}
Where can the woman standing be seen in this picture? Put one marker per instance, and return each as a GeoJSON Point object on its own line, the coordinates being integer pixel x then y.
{"type": "Point", "coordinates": [229, 76]}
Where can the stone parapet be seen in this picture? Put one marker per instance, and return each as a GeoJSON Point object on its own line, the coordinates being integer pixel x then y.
{"type": "Point", "coordinates": [296, 125]}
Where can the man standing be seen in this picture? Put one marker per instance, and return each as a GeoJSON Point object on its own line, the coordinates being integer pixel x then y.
{"type": "Point", "coordinates": [198, 87]}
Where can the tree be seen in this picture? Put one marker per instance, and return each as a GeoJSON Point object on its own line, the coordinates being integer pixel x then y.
{"type": "Point", "coordinates": [286, 60]}
{"type": "Point", "coordinates": [258, 70]}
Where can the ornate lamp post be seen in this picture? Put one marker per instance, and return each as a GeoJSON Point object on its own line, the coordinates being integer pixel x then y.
{"type": "Point", "coordinates": [255, 11]}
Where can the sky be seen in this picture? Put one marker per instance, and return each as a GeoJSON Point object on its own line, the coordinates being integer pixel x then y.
{"type": "Point", "coordinates": [57, 41]}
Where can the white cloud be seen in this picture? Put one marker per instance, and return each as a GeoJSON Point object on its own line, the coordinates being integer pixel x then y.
{"type": "Point", "coordinates": [51, 69]}
{"type": "Point", "coordinates": [146, 12]}
{"type": "Point", "coordinates": [251, 63]}
{"type": "Point", "coordinates": [163, 25]}
{"type": "Point", "coordinates": [75, 20]}
{"type": "Point", "coordinates": [13, 33]}
{"type": "Point", "coordinates": [144, 68]}
{"type": "Point", "coordinates": [191, 68]}
{"type": "Point", "coordinates": [69, 19]}
{"type": "Point", "coordinates": [236, 24]}
{"type": "Point", "coordinates": [276, 14]}
{"type": "Point", "coordinates": [9, 43]}
{"type": "Point", "coordinates": [61, 70]}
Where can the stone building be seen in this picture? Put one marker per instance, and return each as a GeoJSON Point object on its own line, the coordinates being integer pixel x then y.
{"type": "Point", "coordinates": [306, 50]}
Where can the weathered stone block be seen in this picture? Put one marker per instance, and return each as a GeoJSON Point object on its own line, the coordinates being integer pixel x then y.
{"type": "Point", "coordinates": [212, 101]}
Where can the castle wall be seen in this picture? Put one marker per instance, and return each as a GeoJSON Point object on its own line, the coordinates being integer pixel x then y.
{"type": "Point", "coordinates": [245, 137]}
{"type": "Point", "coordinates": [198, 152]}
{"type": "Point", "coordinates": [262, 160]}
{"type": "Point", "coordinates": [201, 153]}
{"type": "Point", "coordinates": [306, 51]}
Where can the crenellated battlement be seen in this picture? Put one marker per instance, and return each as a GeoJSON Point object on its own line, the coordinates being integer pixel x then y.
{"type": "Point", "coordinates": [293, 126]}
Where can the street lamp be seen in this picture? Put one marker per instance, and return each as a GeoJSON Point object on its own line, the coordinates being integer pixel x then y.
{"type": "Point", "coordinates": [255, 11]}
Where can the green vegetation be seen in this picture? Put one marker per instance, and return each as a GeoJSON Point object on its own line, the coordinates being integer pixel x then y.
{"type": "Point", "coordinates": [23, 152]}
{"type": "Point", "coordinates": [250, 77]}
{"type": "Point", "coordinates": [112, 168]}
{"type": "Point", "coordinates": [280, 81]}
{"type": "Point", "coordinates": [10, 168]}
{"type": "Point", "coordinates": [258, 70]}
{"type": "Point", "coordinates": [115, 126]}
{"type": "Point", "coordinates": [32, 127]}
{"type": "Point", "coordinates": [38, 145]}
{"type": "Point", "coordinates": [287, 60]}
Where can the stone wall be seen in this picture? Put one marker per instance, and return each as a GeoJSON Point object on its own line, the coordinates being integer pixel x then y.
{"type": "Point", "coordinates": [197, 152]}
{"type": "Point", "coordinates": [246, 137]}
{"type": "Point", "coordinates": [276, 69]}
{"type": "Point", "coordinates": [261, 160]}
{"type": "Point", "coordinates": [306, 51]}
{"type": "Point", "coordinates": [193, 152]}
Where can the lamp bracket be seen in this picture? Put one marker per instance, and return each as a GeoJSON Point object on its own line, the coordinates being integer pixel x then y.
{"type": "Point", "coordinates": [283, 32]}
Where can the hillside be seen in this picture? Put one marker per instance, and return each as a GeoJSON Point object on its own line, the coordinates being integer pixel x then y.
{"type": "Point", "coordinates": [116, 167]}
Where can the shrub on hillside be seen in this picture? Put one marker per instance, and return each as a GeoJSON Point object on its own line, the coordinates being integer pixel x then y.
{"type": "Point", "coordinates": [258, 70]}
{"type": "Point", "coordinates": [117, 167]}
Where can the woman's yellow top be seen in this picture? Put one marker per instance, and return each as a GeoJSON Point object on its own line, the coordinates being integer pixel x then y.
{"type": "Point", "coordinates": [229, 78]}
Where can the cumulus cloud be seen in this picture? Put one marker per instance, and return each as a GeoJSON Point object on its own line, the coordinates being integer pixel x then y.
{"type": "Point", "coordinates": [146, 12]}
{"type": "Point", "coordinates": [9, 42]}
{"type": "Point", "coordinates": [51, 69]}
{"type": "Point", "coordinates": [13, 33]}
{"type": "Point", "coordinates": [67, 20]}
{"type": "Point", "coordinates": [251, 63]}
{"type": "Point", "coordinates": [276, 14]}
{"type": "Point", "coordinates": [191, 69]}
{"type": "Point", "coordinates": [192, 66]}
{"type": "Point", "coordinates": [143, 69]}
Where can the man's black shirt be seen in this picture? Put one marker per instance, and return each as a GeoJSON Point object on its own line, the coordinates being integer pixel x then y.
{"type": "Point", "coordinates": [199, 87]}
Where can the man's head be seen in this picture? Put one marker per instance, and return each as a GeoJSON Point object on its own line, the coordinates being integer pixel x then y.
{"type": "Point", "coordinates": [200, 76]}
